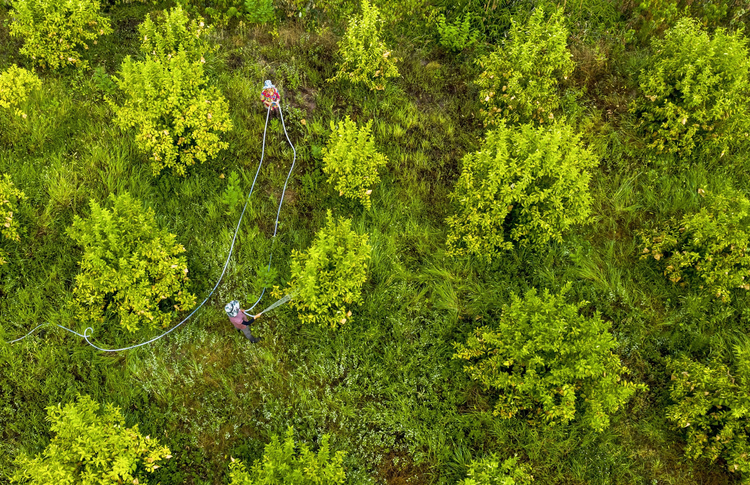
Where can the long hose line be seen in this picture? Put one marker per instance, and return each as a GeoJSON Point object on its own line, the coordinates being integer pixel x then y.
{"type": "Point", "coordinates": [89, 331]}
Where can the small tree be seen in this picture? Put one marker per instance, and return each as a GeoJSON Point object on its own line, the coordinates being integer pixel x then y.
{"type": "Point", "coordinates": [491, 471]}
{"type": "Point", "coordinates": [9, 197]}
{"type": "Point", "coordinates": [327, 278]}
{"type": "Point", "coordinates": [458, 35]}
{"type": "Point", "coordinates": [531, 180]}
{"type": "Point", "coordinates": [282, 463]}
{"type": "Point", "coordinates": [351, 161]}
{"type": "Point", "coordinates": [54, 30]}
{"type": "Point", "coordinates": [365, 58]}
{"type": "Point", "coordinates": [694, 91]}
{"type": "Point", "coordinates": [131, 269]}
{"type": "Point", "coordinates": [711, 244]}
{"type": "Point", "coordinates": [91, 445]}
{"type": "Point", "coordinates": [549, 362]}
{"type": "Point", "coordinates": [519, 82]}
{"type": "Point", "coordinates": [179, 117]}
{"type": "Point", "coordinates": [259, 11]}
{"type": "Point", "coordinates": [15, 85]}
{"type": "Point", "coordinates": [712, 406]}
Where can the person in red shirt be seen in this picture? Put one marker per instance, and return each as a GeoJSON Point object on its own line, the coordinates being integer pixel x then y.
{"type": "Point", "coordinates": [240, 320]}
{"type": "Point", "coordinates": [270, 96]}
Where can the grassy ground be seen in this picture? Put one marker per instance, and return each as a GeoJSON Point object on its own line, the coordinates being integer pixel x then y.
{"type": "Point", "coordinates": [384, 386]}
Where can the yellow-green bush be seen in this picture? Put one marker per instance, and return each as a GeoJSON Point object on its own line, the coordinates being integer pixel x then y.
{"type": "Point", "coordinates": [178, 117]}
{"type": "Point", "coordinates": [15, 85]}
{"type": "Point", "coordinates": [9, 197]}
{"type": "Point", "coordinates": [491, 471]}
{"type": "Point", "coordinates": [364, 57]}
{"type": "Point", "coordinates": [291, 464]}
{"type": "Point", "coordinates": [710, 246]}
{"type": "Point", "coordinates": [54, 30]}
{"type": "Point", "coordinates": [549, 363]}
{"type": "Point", "coordinates": [694, 91]}
{"type": "Point", "coordinates": [712, 407]}
{"type": "Point", "coordinates": [531, 180]}
{"type": "Point", "coordinates": [327, 278]}
{"type": "Point", "coordinates": [520, 79]}
{"type": "Point", "coordinates": [351, 161]}
{"type": "Point", "coordinates": [91, 445]}
{"type": "Point", "coordinates": [131, 269]}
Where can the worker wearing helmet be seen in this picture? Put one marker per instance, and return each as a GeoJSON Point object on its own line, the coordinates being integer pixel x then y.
{"type": "Point", "coordinates": [240, 320]}
{"type": "Point", "coordinates": [270, 96]}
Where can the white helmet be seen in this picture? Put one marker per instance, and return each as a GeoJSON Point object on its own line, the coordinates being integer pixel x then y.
{"type": "Point", "coordinates": [269, 85]}
{"type": "Point", "coordinates": [232, 308]}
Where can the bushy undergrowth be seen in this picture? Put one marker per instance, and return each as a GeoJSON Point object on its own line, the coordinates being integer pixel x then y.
{"type": "Point", "coordinates": [131, 269]}
{"type": "Point", "coordinates": [9, 199]}
{"type": "Point", "coordinates": [15, 85]}
{"type": "Point", "coordinates": [491, 471]}
{"type": "Point", "coordinates": [54, 31]}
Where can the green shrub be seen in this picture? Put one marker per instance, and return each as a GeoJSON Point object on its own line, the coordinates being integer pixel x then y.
{"type": "Point", "coordinates": [694, 91]}
{"type": "Point", "coordinates": [712, 406]}
{"type": "Point", "coordinates": [351, 161]}
{"type": "Point", "coordinates": [282, 463]}
{"type": "Point", "coordinates": [15, 85]}
{"type": "Point", "coordinates": [327, 278]}
{"type": "Point", "coordinates": [458, 35]}
{"type": "Point", "coordinates": [530, 180]}
{"type": "Point", "coordinates": [653, 16]}
{"type": "Point", "coordinates": [547, 361]}
{"type": "Point", "coordinates": [520, 78]}
{"type": "Point", "coordinates": [9, 197]}
{"type": "Point", "coordinates": [259, 11]}
{"type": "Point", "coordinates": [365, 58]}
{"type": "Point", "coordinates": [490, 471]}
{"type": "Point", "coordinates": [131, 269]}
{"type": "Point", "coordinates": [174, 32]}
{"type": "Point", "coordinates": [711, 244]}
{"type": "Point", "coordinates": [54, 30]}
{"type": "Point", "coordinates": [178, 117]}
{"type": "Point", "coordinates": [91, 445]}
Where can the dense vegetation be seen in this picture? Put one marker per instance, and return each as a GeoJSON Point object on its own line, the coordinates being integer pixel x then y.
{"type": "Point", "coordinates": [516, 237]}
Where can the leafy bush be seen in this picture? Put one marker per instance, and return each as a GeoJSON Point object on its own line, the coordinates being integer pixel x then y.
{"type": "Point", "coordinates": [547, 360]}
{"type": "Point", "coordinates": [259, 11]}
{"type": "Point", "coordinates": [530, 180]}
{"type": "Point", "coordinates": [711, 244]}
{"type": "Point", "coordinates": [694, 91]}
{"type": "Point", "coordinates": [458, 35]}
{"type": "Point", "coordinates": [328, 277]}
{"type": "Point", "coordinates": [53, 30]}
{"type": "Point", "coordinates": [519, 82]}
{"type": "Point", "coordinates": [130, 269]}
{"type": "Point", "coordinates": [179, 117]}
{"type": "Point", "coordinates": [91, 445]}
{"type": "Point", "coordinates": [653, 16]}
{"type": "Point", "coordinates": [712, 406]}
{"type": "Point", "coordinates": [351, 161]}
{"type": "Point", "coordinates": [283, 464]}
{"type": "Point", "coordinates": [9, 197]}
{"type": "Point", "coordinates": [174, 32]}
{"type": "Point", "coordinates": [365, 58]}
{"type": "Point", "coordinates": [490, 471]}
{"type": "Point", "coordinates": [15, 85]}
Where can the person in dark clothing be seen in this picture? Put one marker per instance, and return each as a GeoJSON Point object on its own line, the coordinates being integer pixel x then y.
{"type": "Point", "coordinates": [241, 321]}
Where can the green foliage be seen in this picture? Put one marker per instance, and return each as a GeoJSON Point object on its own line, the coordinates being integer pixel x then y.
{"type": "Point", "coordinates": [130, 269]}
{"type": "Point", "coordinates": [654, 16]}
{"type": "Point", "coordinates": [232, 195]}
{"type": "Point", "coordinates": [711, 244]}
{"type": "Point", "coordinates": [547, 360]}
{"type": "Point", "coordinates": [490, 471]}
{"type": "Point", "coordinates": [520, 79]}
{"type": "Point", "coordinates": [327, 278]}
{"type": "Point", "coordinates": [532, 180]}
{"type": "Point", "coordinates": [54, 30]}
{"type": "Point", "coordinates": [91, 446]}
{"type": "Point", "coordinates": [712, 406]}
{"type": "Point", "coordinates": [282, 463]}
{"type": "Point", "coordinates": [365, 58]}
{"type": "Point", "coordinates": [9, 197]}
{"type": "Point", "coordinates": [694, 91]}
{"type": "Point", "coordinates": [174, 32]}
{"type": "Point", "coordinates": [15, 85]}
{"type": "Point", "coordinates": [351, 161]}
{"type": "Point", "coordinates": [178, 117]}
{"type": "Point", "coordinates": [259, 11]}
{"type": "Point", "coordinates": [458, 35]}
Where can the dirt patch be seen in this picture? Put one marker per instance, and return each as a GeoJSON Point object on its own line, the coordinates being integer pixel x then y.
{"type": "Point", "coordinates": [399, 469]}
